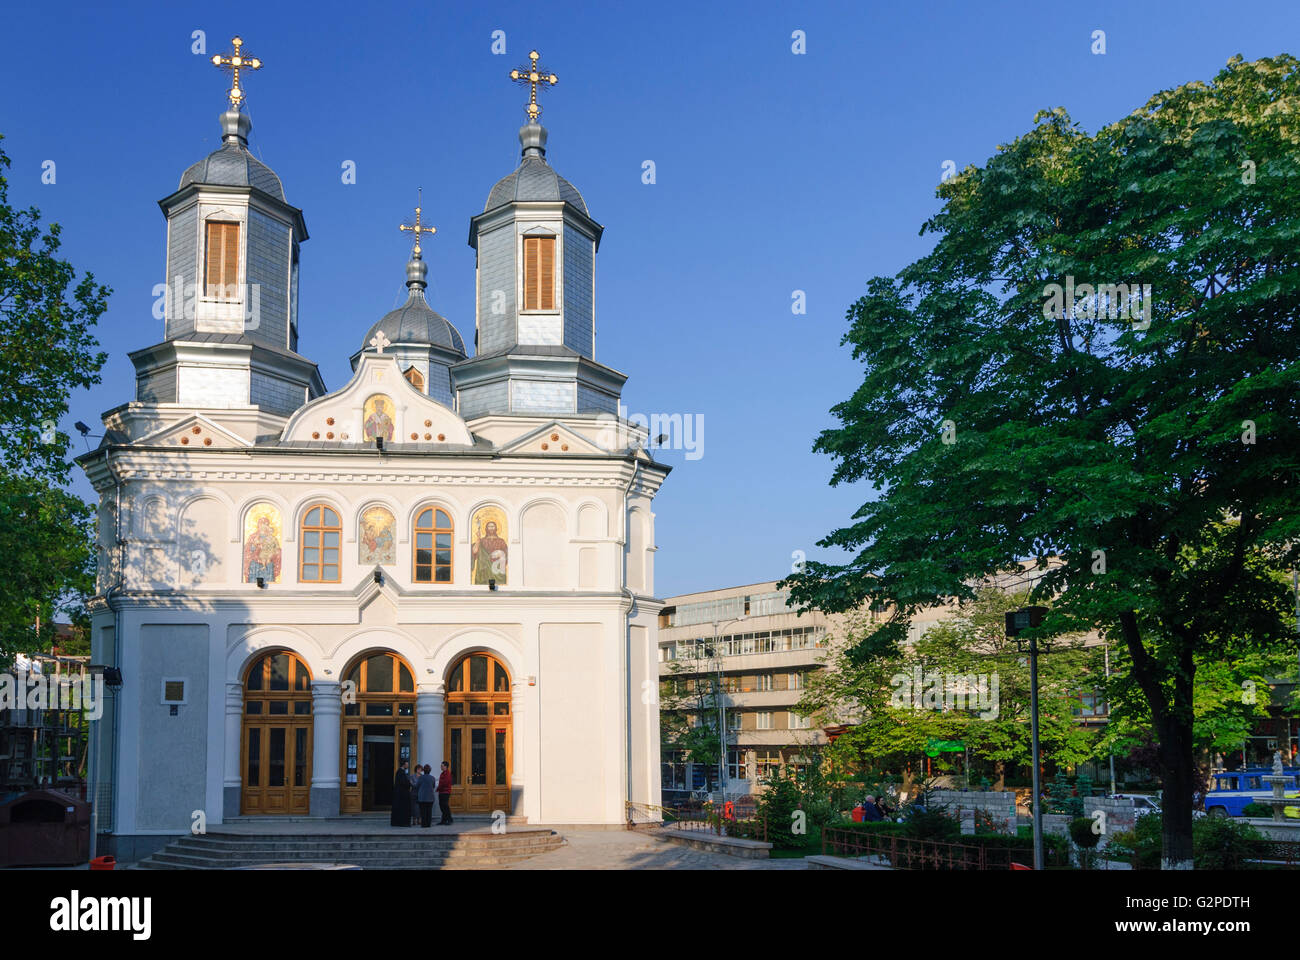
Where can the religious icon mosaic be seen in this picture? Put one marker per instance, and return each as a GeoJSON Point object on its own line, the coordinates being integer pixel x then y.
{"type": "Point", "coordinates": [377, 542]}
{"type": "Point", "coordinates": [488, 549]}
{"type": "Point", "coordinates": [262, 539]}
{"type": "Point", "coordinates": [377, 418]}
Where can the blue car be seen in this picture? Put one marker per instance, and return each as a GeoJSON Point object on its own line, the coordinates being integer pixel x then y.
{"type": "Point", "coordinates": [1230, 791]}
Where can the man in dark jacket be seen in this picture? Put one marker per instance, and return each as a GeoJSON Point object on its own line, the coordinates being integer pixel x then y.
{"type": "Point", "coordinates": [401, 816]}
{"type": "Point", "coordinates": [444, 794]}
{"type": "Point", "coordinates": [870, 812]}
{"type": "Point", "coordinates": [425, 789]}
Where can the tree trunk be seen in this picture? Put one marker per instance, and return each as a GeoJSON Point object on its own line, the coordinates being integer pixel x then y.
{"type": "Point", "coordinates": [1001, 769]}
{"type": "Point", "coordinates": [1178, 771]}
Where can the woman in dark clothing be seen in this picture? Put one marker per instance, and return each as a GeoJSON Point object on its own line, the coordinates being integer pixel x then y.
{"type": "Point", "coordinates": [415, 790]}
{"type": "Point", "coordinates": [401, 816]}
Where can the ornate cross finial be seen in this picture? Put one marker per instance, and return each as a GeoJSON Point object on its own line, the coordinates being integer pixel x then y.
{"type": "Point", "coordinates": [379, 341]}
{"type": "Point", "coordinates": [532, 76]}
{"type": "Point", "coordinates": [417, 229]}
{"type": "Point", "coordinates": [235, 62]}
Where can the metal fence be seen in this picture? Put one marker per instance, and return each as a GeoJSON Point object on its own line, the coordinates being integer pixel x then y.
{"type": "Point", "coordinates": [910, 853]}
{"type": "Point", "coordinates": [696, 817]}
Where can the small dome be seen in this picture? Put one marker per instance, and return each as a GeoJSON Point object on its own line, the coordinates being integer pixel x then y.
{"type": "Point", "coordinates": [416, 322]}
{"type": "Point", "coordinates": [534, 179]}
{"type": "Point", "coordinates": [231, 164]}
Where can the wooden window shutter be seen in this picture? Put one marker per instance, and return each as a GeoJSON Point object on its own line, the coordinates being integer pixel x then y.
{"type": "Point", "coordinates": [222, 260]}
{"type": "Point", "coordinates": [539, 273]}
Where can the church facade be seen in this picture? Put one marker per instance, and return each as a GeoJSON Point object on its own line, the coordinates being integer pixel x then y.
{"type": "Point", "coordinates": [448, 558]}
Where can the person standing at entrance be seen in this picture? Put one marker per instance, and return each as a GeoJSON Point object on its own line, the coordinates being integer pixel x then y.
{"type": "Point", "coordinates": [444, 794]}
{"type": "Point", "coordinates": [401, 816]}
{"type": "Point", "coordinates": [415, 794]}
{"type": "Point", "coordinates": [426, 788]}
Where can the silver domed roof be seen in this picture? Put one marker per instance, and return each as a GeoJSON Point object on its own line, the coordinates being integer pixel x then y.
{"type": "Point", "coordinates": [415, 321]}
{"type": "Point", "coordinates": [534, 179]}
{"type": "Point", "coordinates": [231, 164]}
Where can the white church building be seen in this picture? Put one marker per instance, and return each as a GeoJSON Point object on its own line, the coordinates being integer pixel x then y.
{"type": "Point", "coordinates": [448, 558]}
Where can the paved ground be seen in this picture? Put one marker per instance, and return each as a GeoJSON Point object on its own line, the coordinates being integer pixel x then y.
{"type": "Point", "coordinates": [628, 850]}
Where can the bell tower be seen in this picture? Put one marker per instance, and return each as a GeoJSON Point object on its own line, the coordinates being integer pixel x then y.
{"type": "Point", "coordinates": [534, 325]}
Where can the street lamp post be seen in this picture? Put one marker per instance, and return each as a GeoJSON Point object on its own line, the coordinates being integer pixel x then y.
{"type": "Point", "coordinates": [1016, 621]}
{"type": "Point", "coordinates": [722, 710]}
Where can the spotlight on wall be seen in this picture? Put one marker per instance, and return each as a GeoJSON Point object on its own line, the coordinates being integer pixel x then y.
{"type": "Point", "coordinates": [113, 678]}
{"type": "Point", "coordinates": [492, 584]}
{"type": "Point", "coordinates": [261, 583]}
{"type": "Point", "coordinates": [379, 444]}
{"type": "Point", "coordinates": [379, 577]}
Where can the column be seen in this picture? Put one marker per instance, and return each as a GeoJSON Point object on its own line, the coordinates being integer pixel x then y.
{"type": "Point", "coordinates": [518, 747]}
{"type": "Point", "coordinates": [234, 731]}
{"type": "Point", "coordinates": [429, 745]}
{"type": "Point", "coordinates": [326, 710]}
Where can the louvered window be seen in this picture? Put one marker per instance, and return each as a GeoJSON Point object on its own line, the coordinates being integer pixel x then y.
{"type": "Point", "coordinates": [222, 261]}
{"type": "Point", "coordinates": [539, 273]}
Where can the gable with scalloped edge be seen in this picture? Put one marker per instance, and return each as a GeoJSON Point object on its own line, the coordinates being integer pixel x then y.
{"type": "Point", "coordinates": [341, 417]}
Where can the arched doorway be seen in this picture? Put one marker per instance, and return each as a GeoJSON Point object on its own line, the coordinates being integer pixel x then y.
{"type": "Point", "coordinates": [479, 745]}
{"type": "Point", "coordinates": [275, 749]}
{"type": "Point", "coordinates": [378, 729]}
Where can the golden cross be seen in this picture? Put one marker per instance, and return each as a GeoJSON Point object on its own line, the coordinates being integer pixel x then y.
{"type": "Point", "coordinates": [235, 62]}
{"type": "Point", "coordinates": [532, 76]}
{"type": "Point", "coordinates": [417, 229]}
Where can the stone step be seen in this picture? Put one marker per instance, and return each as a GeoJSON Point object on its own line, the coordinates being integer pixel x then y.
{"type": "Point", "coordinates": [368, 851]}
{"type": "Point", "coordinates": [360, 848]}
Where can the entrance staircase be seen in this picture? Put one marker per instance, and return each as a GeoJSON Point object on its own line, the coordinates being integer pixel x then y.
{"type": "Point", "coordinates": [396, 850]}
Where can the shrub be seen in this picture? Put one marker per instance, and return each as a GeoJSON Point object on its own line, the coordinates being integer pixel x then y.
{"type": "Point", "coordinates": [1254, 809]}
{"type": "Point", "coordinates": [1221, 843]}
{"type": "Point", "coordinates": [931, 825]}
{"type": "Point", "coordinates": [1081, 832]}
{"type": "Point", "coordinates": [778, 804]}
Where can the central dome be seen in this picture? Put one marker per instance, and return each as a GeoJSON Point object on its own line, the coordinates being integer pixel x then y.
{"type": "Point", "coordinates": [534, 179]}
{"type": "Point", "coordinates": [416, 322]}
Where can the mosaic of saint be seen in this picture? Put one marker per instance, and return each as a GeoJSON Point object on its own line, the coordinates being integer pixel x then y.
{"type": "Point", "coordinates": [488, 550]}
{"type": "Point", "coordinates": [262, 544]}
{"type": "Point", "coordinates": [377, 544]}
{"type": "Point", "coordinates": [377, 418]}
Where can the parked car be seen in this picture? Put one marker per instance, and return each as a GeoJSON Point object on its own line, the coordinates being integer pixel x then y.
{"type": "Point", "coordinates": [1231, 790]}
{"type": "Point", "coordinates": [1142, 803]}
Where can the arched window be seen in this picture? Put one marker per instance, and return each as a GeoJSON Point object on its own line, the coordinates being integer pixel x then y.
{"type": "Point", "coordinates": [277, 684]}
{"type": "Point", "coordinates": [320, 546]}
{"type": "Point", "coordinates": [433, 530]}
{"type": "Point", "coordinates": [383, 684]}
{"type": "Point", "coordinates": [416, 378]}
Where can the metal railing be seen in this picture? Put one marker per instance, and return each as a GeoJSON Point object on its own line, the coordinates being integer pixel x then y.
{"type": "Point", "coordinates": [698, 818]}
{"type": "Point", "coordinates": [910, 853]}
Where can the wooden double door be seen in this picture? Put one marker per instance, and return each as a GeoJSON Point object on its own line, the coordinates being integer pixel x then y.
{"type": "Point", "coordinates": [277, 767]}
{"type": "Point", "coordinates": [478, 739]}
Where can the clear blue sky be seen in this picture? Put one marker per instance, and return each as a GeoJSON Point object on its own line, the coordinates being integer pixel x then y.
{"type": "Point", "coordinates": [775, 172]}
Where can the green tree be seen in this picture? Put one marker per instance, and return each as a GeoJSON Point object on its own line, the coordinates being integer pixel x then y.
{"type": "Point", "coordinates": [46, 350]}
{"type": "Point", "coordinates": [1157, 455]}
{"type": "Point", "coordinates": [688, 714]}
{"type": "Point", "coordinates": [893, 721]}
